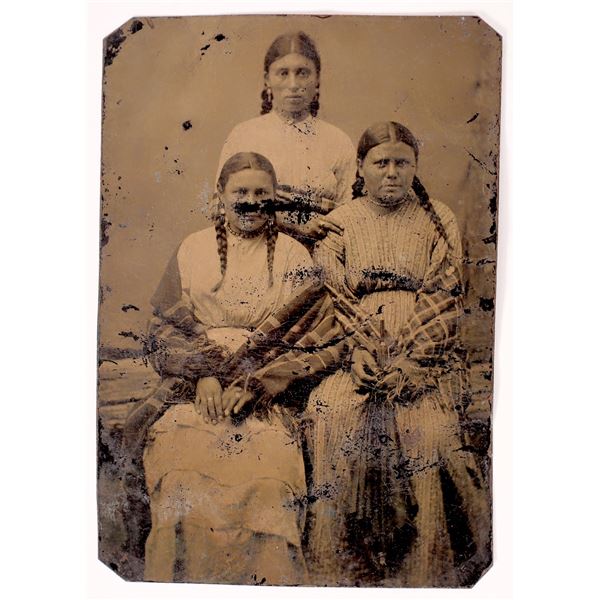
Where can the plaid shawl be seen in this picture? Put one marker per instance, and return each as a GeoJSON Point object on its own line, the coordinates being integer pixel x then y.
{"type": "Point", "coordinates": [429, 343]}
{"type": "Point", "coordinates": [299, 341]}
{"type": "Point", "coordinates": [427, 346]}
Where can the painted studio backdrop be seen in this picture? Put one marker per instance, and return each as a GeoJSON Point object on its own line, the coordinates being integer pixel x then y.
{"type": "Point", "coordinates": [302, 464]}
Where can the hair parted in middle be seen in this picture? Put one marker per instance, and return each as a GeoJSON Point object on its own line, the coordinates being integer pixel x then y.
{"type": "Point", "coordinates": [391, 131]}
{"type": "Point", "coordinates": [296, 42]}
{"type": "Point", "coordinates": [236, 163]}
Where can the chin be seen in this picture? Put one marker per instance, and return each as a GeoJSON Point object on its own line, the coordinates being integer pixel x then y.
{"type": "Point", "coordinates": [295, 107]}
{"type": "Point", "coordinates": [252, 226]}
{"type": "Point", "coordinates": [392, 200]}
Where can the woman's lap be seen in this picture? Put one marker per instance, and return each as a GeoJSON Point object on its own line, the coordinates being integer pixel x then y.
{"type": "Point", "coordinates": [224, 476]}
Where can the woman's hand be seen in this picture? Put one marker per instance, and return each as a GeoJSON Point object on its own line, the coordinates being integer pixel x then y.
{"type": "Point", "coordinates": [364, 369]}
{"type": "Point", "coordinates": [316, 229]}
{"type": "Point", "coordinates": [319, 227]}
{"type": "Point", "coordinates": [209, 399]}
{"type": "Point", "coordinates": [234, 399]}
{"type": "Point", "coordinates": [394, 379]}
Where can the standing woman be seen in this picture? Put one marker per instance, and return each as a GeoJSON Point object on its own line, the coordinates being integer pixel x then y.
{"type": "Point", "coordinates": [223, 467]}
{"type": "Point", "coordinates": [400, 499]}
{"type": "Point", "coordinates": [314, 161]}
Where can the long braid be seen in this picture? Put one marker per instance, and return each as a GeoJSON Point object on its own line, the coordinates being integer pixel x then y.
{"type": "Point", "coordinates": [272, 233]}
{"type": "Point", "coordinates": [315, 104]}
{"type": "Point", "coordinates": [358, 187]}
{"type": "Point", "coordinates": [266, 98]}
{"type": "Point", "coordinates": [221, 243]}
{"type": "Point", "coordinates": [425, 202]}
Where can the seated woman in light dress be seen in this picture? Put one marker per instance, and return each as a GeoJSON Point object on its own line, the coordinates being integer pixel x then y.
{"type": "Point", "coordinates": [314, 161]}
{"type": "Point", "coordinates": [223, 467]}
{"type": "Point", "coordinates": [400, 499]}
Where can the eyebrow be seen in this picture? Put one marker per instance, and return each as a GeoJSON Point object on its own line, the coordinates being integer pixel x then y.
{"type": "Point", "coordinates": [240, 188]}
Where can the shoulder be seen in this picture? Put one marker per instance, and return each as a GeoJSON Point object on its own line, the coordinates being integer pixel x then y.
{"type": "Point", "coordinates": [290, 247]}
{"type": "Point", "coordinates": [333, 132]}
{"type": "Point", "coordinates": [444, 212]}
{"type": "Point", "coordinates": [254, 124]}
{"type": "Point", "coordinates": [347, 211]}
{"type": "Point", "coordinates": [199, 241]}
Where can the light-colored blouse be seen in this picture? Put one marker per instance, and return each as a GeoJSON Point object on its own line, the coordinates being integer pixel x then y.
{"type": "Point", "coordinates": [245, 298]}
{"type": "Point", "coordinates": [311, 153]}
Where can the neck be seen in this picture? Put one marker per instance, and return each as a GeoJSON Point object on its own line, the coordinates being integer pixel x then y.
{"type": "Point", "coordinates": [380, 208]}
{"type": "Point", "coordinates": [237, 232]}
{"type": "Point", "coordinates": [289, 117]}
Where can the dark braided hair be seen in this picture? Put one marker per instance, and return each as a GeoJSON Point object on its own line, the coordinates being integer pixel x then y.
{"type": "Point", "coordinates": [291, 43]}
{"type": "Point", "coordinates": [390, 131]}
{"type": "Point", "coordinates": [236, 163]}
{"type": "Point", "coordinates": [221, 242]}
{"type": "Point", "coordinates": [272, 233]}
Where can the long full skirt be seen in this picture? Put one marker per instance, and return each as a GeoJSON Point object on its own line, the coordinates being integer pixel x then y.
{"type": "Point", "coordinates": [227, 501]}
{"type": "Point", "coordinates": [448, 499]}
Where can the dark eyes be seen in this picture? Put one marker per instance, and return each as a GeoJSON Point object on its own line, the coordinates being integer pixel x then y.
{"type": "Point", "coordinates": [299, 72]}
{"type": "Point", "coordinates": [244, 192]}
{"type": "Point", "coordinates": [399, 163]}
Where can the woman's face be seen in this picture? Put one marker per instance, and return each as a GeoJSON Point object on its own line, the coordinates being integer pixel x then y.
{"type": "Point", "coordinates": [293, 81]}
{"type": "Point", "coordinates": [388, 171]}
{"type": "Point", "coordinates": [242, 197]}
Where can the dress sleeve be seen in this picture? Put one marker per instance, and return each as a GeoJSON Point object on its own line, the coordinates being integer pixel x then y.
{"type": "Point", "coordinates": [177, 345]}
{"type": "Point", "coordinates": [345, 171]}
{"type": "Point", "coordinates": [300, 269]}
{"type": "Point", "coordinates": [330, 257]}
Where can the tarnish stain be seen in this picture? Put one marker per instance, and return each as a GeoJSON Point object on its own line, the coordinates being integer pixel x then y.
{"type": "Point", "coordinates": [127, 307]}
{"type": "Point", "coordinates": [104, 227]}
{"type": "Point", "coordinates": [136, 25]}
{"type": "Point", "coordinates": [217, 38]}
{"type": "Point", "coordinates": [112, 46]}
{"type": "Point", "coordinates": [486, 304]}
{"type": "Point", "coordinates": [481, 163]}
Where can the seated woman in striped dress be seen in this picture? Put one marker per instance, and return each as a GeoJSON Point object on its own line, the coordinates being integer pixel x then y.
{"type": "Point", "coordinates": [392, 480]}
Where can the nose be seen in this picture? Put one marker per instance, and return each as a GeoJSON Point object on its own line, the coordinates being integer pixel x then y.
{"type": "Point", "coordinates": [293, 81]}
{"type": "Point", "coordinates": [391, 170]}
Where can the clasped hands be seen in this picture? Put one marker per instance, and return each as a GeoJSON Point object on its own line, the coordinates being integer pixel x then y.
{"type": "Point", "coordinates": [214, 404]}
{"type": "Point", "coordinates": [366, 373]}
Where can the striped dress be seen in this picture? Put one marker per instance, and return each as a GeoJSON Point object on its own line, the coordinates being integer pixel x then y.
{"type": "Point", "coordinates": [397, 500]}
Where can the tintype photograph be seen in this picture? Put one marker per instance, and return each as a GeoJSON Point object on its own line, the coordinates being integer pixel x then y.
{"type": "Point", "coordinates": [297, 297]}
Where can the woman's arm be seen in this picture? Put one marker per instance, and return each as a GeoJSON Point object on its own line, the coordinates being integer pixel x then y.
{"type": "Point", "coordinates": [345, 171]}
{"type": "Point", "coordinates": [177, 345]}
{"type": "Point", "coordinates": [300, 340]}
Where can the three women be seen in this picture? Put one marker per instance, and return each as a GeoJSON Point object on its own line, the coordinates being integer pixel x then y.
{"type": "Point", "coordinates": [241, 318]}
